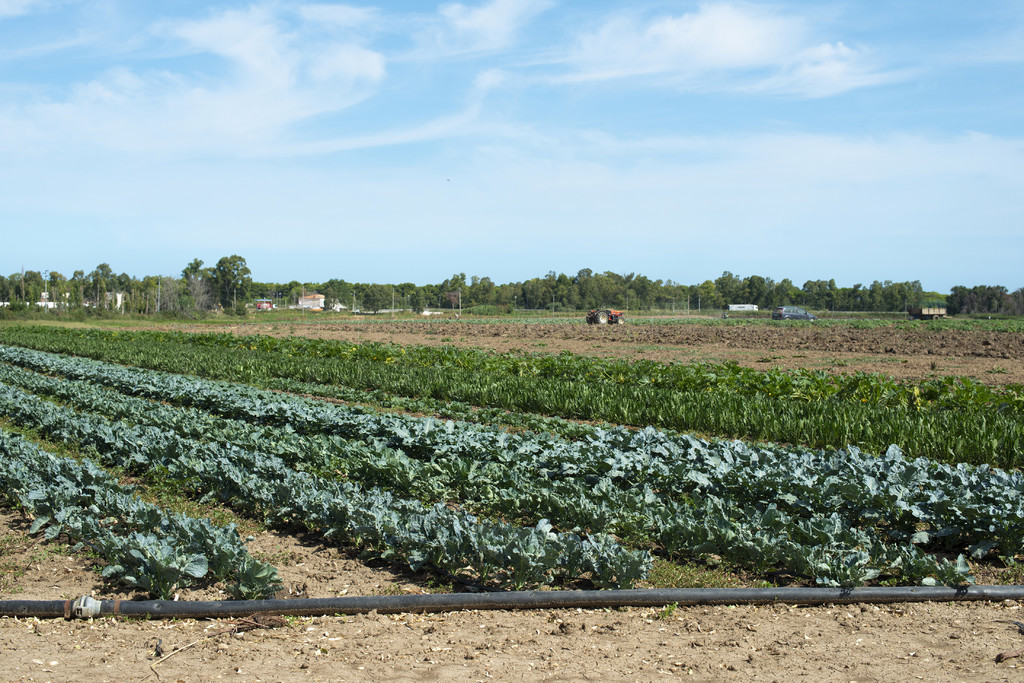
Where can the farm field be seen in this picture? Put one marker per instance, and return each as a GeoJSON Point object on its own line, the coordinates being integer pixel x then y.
{"type": "Point", "coordinates": [903, 350]}
{"type": "Point", "coordinates": [154, 414]}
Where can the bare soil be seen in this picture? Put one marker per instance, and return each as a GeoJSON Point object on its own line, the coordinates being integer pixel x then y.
{"type": "Point", "coordinates": [926, 641]}
{"type": "Point", "coordinates": [904, 352]}
{"type": "Point", "coordinates": [859, 642]}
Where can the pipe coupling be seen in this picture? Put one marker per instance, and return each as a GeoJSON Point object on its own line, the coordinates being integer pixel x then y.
{"type": "Point", "coordinates": [85, 607]}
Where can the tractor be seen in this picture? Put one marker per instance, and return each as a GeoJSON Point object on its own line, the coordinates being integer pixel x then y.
{"type": "Point", "coordinates": [606, 316]}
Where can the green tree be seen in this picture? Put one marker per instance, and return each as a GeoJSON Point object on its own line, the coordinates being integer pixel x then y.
{"type": "Point", "coordinates": [194, 269]}
{"type": "Point", "coordinates": [705, 297]}
{"type": "Point", "coordinates": [98, 283]}
{"type": "Point", "coordinates": [377, 297]}
{"type": "Point", "coordinates": [231, 280]}
{"type": "Point", "coordinates": [17, 287]}
{"type": "Point", "coordinates": [418, 301]}
{"type": "Point", "coordinates": [481, 291]}
{"type": "Point", "coordinates": [33, 285]}
{"type": "Point", "coordinates": [784, 293]}
{"type": "Point", "coordinates": [729, 289]}
{"type": "Point", "coordinates": [77, 288]}
{"type": "Point", "coordinates": [197, 284]}
{"type": "Point", "coordinates": [336, 292]}
{"type": "Point", "coordinates": [758, 290]}
{"type": "Point", "coordinates": [57, 287]}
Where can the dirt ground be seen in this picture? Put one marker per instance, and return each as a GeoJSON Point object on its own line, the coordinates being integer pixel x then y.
{"type": "Point", "coordinates": [904, 352]}
{"type": "Point", "coordinates": [858, 642]}
{"type": "Point", "coordinates": [925, 641]}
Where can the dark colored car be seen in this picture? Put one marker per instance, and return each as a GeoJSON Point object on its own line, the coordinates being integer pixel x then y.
{"type": "Point", "coordinates": [792, 313]}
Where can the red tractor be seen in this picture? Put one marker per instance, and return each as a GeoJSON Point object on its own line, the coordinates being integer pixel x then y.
{"type": "Point", "coordinates": [606, 316]}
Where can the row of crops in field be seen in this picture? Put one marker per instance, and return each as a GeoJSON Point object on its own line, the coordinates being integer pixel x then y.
{"type": "Point", "coordinates": [142, 545]}
{"type": "Point", "coordinates": [949, 419]}
{"type": "Point", "coordinates": [517, 509]}
{"type": "Point", "coordinates": [260, 483]}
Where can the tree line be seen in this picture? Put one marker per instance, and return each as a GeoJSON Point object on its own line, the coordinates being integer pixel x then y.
{"type": "Point", "coordinates": [199, 289]}
{"type": "Point", "coordinates": [228, 286]}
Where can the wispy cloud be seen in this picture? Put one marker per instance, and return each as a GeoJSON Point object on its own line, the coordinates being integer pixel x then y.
{"type": "Point", "coordinates": [41, 49]}
{"type": "Point", "coordinates": [457, 124]}
{"type": "Point", "coordinates": [260, 74]}
{"type": "Point", "coordinates": [825, 70]}
{"type": "Point", "coordinates": [464, 123]}
{"type": "Point", "coordinates": [255, 43]}
{"type": "Point", "coordinates": [491, 26]}
{"type": "Point", "coordinates": [339, 16]}
{"type": "Point", "coordinates": [723, 46]}
{"type": "Point", "coordinates": [15, 8]}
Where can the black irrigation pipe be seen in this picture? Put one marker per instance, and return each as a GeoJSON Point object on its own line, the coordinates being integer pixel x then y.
{"type": "Point", "coordinates": [87, 607]}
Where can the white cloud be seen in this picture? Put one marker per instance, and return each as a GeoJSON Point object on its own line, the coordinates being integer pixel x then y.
{"type": "Point", "coordinates": [714, 37]}
{"type": "Point", "coordinates": [458, 124]}
{"type": "Point", "coordinates": [825, 70]}
{"type": "Point", "coordinates": [489, 27]}
{"type": "Point", "coordinates": [250, 39]}
{"type": "Point", "coordinates": [254, 42]}
{"type": "Point", "coordinates": [723, 36]}
{"type": "Point", "coordinates": [15, 8]}
{"type": "Point", "coordinates": [347, 63]}
{"type": "Point", "coordinates": [340, 16]}
{"type": "Point", "coordinates": [277, 74]}
{"type": "Point", "coordinates": [724, 46]}
{"type": "Point", "coordinates": [492, 78]}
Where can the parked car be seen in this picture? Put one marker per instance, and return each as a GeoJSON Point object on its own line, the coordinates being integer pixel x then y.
{"type": "Point", "coordinates": [792, 313]}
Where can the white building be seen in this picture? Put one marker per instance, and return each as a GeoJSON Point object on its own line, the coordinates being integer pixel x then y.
{"type": "Point", "coordinates": [313, 302]}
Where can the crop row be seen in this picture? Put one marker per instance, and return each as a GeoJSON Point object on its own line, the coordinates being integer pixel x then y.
{"type": "Point", "coordinates": [144, 545]}
{"type": "Point", "coordinates": [939, 394]}
{"type": "Point", "coordinates": [688, 495]}
{"type": "Point", "coordinates": [986, 433]}
{"type": "Point", "coordinates": [821, 546]}
{"type": "Point", "coordinates": [801, 384]}
{"type": "Point", "coordinates": [259, 483]}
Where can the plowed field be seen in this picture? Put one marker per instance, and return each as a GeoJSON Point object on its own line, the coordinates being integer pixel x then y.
{"type": "Point", "coordinates": [902, 351]}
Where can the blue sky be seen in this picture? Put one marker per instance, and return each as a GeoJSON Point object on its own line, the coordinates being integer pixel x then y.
{"type": "Point", "coordinates": [406, 141]}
